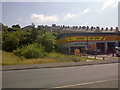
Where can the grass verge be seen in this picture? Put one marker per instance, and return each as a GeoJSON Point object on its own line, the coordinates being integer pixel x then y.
{"type": "Point", "coordinates": [9, 58]}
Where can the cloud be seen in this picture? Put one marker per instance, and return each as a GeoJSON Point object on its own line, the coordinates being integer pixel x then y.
{"type": "Point", "coordinates": [110, 3]}
{"type": "Point", "coordinates": [20, 19]}
{"type": "Point", "coordinates": [69, 15]}
{"type": "Point", "coordinates": [86, 23]}
{"type": "Point", "coordinates": [40, 18]}
{"type": "Point", "coordinates": [86, 10]}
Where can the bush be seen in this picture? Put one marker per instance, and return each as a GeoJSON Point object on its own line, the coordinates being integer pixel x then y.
{"type": "Point", "coordinates": [31, 51]}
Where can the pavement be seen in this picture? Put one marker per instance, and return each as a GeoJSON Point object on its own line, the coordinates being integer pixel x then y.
{"type": "Point", "coordinates": [103, 59]}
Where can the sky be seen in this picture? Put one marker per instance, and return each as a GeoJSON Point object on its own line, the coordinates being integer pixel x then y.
{"type": "Point", "coordinates": [102, 13]}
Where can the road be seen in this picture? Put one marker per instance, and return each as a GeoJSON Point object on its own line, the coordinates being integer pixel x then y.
{"type": "Point", "coordinates": [92, 76]}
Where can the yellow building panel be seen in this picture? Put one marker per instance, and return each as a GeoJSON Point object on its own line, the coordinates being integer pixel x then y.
{"type": "Point", "coordinates": [89, 38]}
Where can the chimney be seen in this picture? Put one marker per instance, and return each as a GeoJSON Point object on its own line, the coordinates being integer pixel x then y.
{"type": "Point", "coordinates": [102, 29]}
{"type": "Point", "coordinates": [106, 28]}
{"type": "Point", "coordinates": [111, 28]}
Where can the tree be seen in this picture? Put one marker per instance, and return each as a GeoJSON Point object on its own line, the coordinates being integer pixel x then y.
{"type": "Point", "coordinates": [34, 33]}
{"type": "Point", "coordinates": [47, 40]}
{"type": "Point", "coordinates": [10, 41]}
{"type": "Point", "coordinates": [4, 28]}
{"type": "Point", "coordinates": [14, 39]}
{"type": "Point", "coordinates": [16, 26]}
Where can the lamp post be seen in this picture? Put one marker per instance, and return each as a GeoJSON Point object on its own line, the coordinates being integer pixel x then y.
{"type": "Point", "coordinates": [86, 42]}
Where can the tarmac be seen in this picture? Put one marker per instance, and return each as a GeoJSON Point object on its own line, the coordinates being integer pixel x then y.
{"type": "Point", "coordinates": [103, 59]}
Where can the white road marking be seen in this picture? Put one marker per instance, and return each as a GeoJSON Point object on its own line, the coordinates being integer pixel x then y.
{"type": "Point", "coordinates": [86, 83]}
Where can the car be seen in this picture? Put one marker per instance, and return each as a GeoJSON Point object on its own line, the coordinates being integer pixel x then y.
{"type": "Point", "coordinates": [117, 51]}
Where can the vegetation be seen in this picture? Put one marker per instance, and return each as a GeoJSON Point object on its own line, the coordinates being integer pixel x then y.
{"type": "Point", "coordinates": [28, 43]}
{"type": "Point", "coordinates": [47, 40]}
{"type": "Point", "coordinates": [53, 57]}
{"type": "Point", "coordinates": [30, 51]}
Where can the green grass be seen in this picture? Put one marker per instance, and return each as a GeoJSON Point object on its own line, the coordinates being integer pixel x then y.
{"type": "Point", "coordinates": [9, 58]}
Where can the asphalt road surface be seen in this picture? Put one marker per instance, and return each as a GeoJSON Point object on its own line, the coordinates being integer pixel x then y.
{"type": "Point", "coordinates": [92, 76]}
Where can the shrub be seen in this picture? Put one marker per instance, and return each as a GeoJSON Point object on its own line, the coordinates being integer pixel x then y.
{"type": "Point", "coordinates": [31, 51]}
